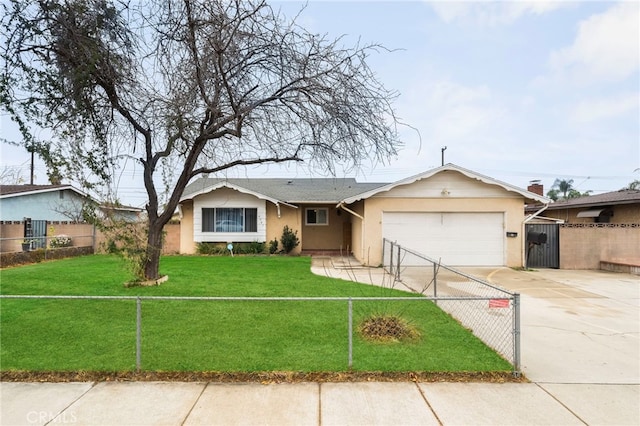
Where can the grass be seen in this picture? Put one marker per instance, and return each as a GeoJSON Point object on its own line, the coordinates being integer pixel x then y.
{"type": "Point", "coordinates": [234, 336]}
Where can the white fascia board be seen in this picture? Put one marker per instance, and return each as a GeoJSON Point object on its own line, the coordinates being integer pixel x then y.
{"type": "Point", "coordinates": [473, 175]}
{"type": "Point", "coordinates": [225, 184]}
{"type": "Point", "coordinates": [42, 191]}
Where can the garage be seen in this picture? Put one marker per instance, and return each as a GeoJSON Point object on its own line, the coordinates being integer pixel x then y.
{"type": "Point", "coordinates": [456, 238]}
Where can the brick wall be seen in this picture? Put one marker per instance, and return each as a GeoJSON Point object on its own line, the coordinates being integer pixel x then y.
{"type": "Point", "coordinates": [171, 239]}
{"type": "Point", "coordinates": [584, 246]}
{"type": "Point", "coordinates": [82, 235]}
{"type": "Point", "coordinates": [10, 229]}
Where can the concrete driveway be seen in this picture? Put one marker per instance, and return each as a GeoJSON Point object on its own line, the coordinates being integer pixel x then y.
{"type": "Point", "coordinates": [577, 326]}
{"type": "Point", "coordinates": [580, 336]}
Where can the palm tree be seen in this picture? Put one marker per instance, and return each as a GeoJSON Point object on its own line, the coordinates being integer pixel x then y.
{"type": "Point", "coordinates": [560, 186]}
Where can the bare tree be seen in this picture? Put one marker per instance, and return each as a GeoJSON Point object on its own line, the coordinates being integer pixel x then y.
{"type": "Point", "coordinates": [12, 175]}
{"type": "Point", "coordinates": [201, 85]}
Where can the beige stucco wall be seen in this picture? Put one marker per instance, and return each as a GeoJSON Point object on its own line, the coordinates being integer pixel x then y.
{"type": "Point", "coordinates": [275, 223]}
{"type": "Point", "coordinates": [370, 251]}
{"type": "Point", "coordinates": [357, 228]}
{"type": "Point", "coordinates": [187, 245]}
{"type": "Point", "coordinates": [445, 192]}
{"type": "Point", "coordinates": [325, 237]}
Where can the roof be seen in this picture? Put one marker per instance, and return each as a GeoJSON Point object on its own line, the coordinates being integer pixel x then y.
{"type": "Point", "coordinates": [284, 190]}
{"type": "Point", "coordinates": [529, 196]}
{"type": "Point", "coordinates": [330, 190]}
{"type": "Point", "coordinates": [624, 196]}
{"type": "Point", "coordinates": [8, 191]}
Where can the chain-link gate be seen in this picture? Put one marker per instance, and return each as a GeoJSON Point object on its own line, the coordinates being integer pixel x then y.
{"type": "Point", "coordinates": [491, 313]}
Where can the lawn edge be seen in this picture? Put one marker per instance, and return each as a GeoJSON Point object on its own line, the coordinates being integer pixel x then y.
{"type": "Point", "coordinates": [264, 377]}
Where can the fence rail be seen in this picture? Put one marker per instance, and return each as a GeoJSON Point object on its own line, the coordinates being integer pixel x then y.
{"type": "Point", "coordinates": [349, 301]}
{"type": "Point", "coordinates": [490, 312]}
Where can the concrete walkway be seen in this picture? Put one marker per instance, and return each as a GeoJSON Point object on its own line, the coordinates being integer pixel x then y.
{"type": "Point", "coordinates": [580, 349]}
{"type": "Point", "coordinates": [152, 403]}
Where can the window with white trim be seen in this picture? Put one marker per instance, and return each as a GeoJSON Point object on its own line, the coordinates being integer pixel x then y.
{"type": "Point", "coordinates": [317, 216]}
{"type": "Point", "coordinates": [229, 219]}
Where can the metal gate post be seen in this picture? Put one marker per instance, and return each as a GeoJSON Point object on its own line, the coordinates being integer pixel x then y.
{"type": "Point", "coordinates": [350, 320]}
{"type": "Point", "coordinates": [435, 280]}
{"type": "Point", "coordinates": [138, 334]}
{"type": "Point", "coordinates": [391, 259]}
{"type": "Point", "coordinates": [384, 247]}
{"type": "Point", "coordinates": [398, 268]}
{"type": "Point", "coordinates": [516, 335]}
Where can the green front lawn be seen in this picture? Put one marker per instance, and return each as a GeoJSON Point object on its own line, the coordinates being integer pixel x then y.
{"type": "Point", "coordinates": [99, 335]}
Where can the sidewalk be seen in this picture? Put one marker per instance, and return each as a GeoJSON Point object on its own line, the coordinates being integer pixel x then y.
{"type": "Point", "coordinates": [153, 403]}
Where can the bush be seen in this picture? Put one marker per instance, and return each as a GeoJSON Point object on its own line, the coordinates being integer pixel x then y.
{"type": "Point", "coordinates": [289, 239]}
{"type": "Point", "coordinates": [220, 249]}
{"type": "Point", "coordinates": [253, 247]}
{"type": "Point", "coordinates": [212, 248]}
{"type": "Point", "coordinates": [273, 246]}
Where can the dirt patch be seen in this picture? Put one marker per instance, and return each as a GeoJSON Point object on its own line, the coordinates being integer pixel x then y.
{"type": "Point", "coordinates": [258, 377]}
{"type": "Point", "coordinates": [387, 328]}
{"type": "Point", "coordinates": [149, 283]}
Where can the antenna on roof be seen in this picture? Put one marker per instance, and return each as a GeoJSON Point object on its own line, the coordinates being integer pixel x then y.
{"type": "Point", "coordinates": [442, 151]}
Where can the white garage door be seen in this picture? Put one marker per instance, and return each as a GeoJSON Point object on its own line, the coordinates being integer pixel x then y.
{"type": "Point", "coordinates": [457, 239]}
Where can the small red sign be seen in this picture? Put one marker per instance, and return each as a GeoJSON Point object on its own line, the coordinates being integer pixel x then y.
{"type": "Point", "coordinates": [499, 303]}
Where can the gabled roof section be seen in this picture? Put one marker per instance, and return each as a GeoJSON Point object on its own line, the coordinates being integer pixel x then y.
{"type": "Point", "coordinates": [8, 191]}
{"type": "Point", "coordinates": [529, 196]}
{"type": "Point", "coordinates": [284, 190]}
{"type": "Point", "coordinates": [624, 196]}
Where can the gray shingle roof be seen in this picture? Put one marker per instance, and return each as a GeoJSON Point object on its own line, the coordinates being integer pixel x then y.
{"type": "Point", "coordinates": [18, 189]}
{"type": "Point", "coordinates": [321, 190]}
{"type": "Point", "coordinates": [624, 196]}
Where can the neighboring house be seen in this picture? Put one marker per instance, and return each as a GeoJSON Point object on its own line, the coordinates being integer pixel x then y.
{"type": "Point", "coordinates": [120, 212]}
{"type": "Point", "coordinates": [51, 210]}
{"type": "Point", "coordinates": [612, 207]}
{"type": "Point", "coordinates": [592, 232]}
{"type": "Point", "coordinates": [41, 202]}
{"type": "Point", "coordinates": [54, 203]}
{"type": "Point", "coordinates": [448, 213]}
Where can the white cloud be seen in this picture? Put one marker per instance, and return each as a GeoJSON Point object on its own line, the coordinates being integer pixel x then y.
{"type": "Point", "coordinates": [470, 120]}
{"type": "Point", "coordinates": [607, 47]}
{"type": "Point", "coordinates": [492, 13]}
{"type": "Point", "coordinates": [604, 108]}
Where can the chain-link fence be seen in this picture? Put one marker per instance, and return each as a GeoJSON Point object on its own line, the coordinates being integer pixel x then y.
{"type": "Point", "coordinates": [488, 311]}
{"type": "Point", "coordinates": [114, 329]}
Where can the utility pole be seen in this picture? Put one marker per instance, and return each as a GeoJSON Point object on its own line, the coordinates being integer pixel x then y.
{"type": "Point", "coordinates": [31, 165]}
{"type": "Point", "coordinates": [442, 151]}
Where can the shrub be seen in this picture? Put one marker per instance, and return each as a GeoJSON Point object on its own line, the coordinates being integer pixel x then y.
{"type": "Point", "coordinates": [253, 247]}
{"type": "Point", "coordinates": [273, 246]}
{"type": "Point", "coordinates": [220, 249]}
{"type": "Point", "coordinates": [212, 248]}
{"type": "Point", "coordinates": [289, 239]}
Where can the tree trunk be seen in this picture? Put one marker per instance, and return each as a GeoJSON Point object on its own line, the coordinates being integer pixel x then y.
{"type": "Point", "coordinates": [154, 249]}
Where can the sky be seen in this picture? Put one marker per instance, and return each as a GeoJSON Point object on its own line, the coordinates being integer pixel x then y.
{"type": "Point", "coordinates": [514, 90]}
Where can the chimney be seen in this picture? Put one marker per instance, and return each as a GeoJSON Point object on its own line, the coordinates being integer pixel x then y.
{"type": "Point", "coordinates": [536, 187]}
